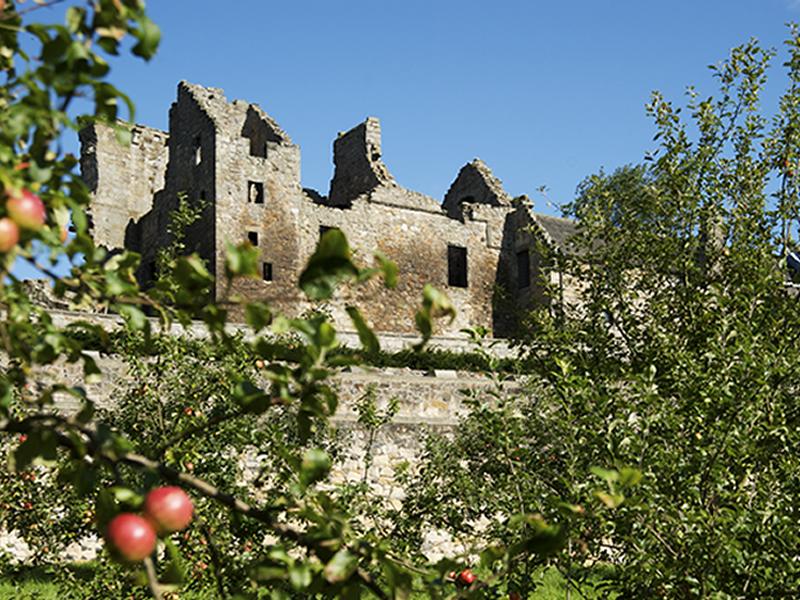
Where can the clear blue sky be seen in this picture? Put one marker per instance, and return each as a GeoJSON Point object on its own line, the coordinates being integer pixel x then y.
{"type": "Point", "coordinates": [544, 92]}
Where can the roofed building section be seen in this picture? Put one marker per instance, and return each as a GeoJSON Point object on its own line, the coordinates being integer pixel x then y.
{"type": "Point", "coordinates": [557, 231]}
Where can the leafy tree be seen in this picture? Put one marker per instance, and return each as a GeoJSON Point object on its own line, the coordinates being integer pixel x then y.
{"type": "Point", "coordinates": [670, 394]}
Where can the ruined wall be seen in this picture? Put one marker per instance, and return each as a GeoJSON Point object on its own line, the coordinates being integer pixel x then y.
{"type": "Point", "coordinates": [475, 184]}
{"type": "Point", "coordinates": [358, 165]}
{"type": "Point", "coordinates": [123, 179]}
{"type": "Point", "coordinates": [373, 211]}
{"type": "Point", "coordinates": [190, 171]}
{"type": "Point", "coordinates": [236, 160]}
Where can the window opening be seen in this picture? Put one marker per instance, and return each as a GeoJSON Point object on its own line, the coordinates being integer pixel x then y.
{"type": "Point", "coordinates": [198, 150]}
{"type": "Point", "coordinates": [255, 192]}
{"type": "Point", "coordinates": [266, 271]}
{"type": "Point", "coordinates": [457, 266]}
{"type": "Point", "coordinates": [252, 237]}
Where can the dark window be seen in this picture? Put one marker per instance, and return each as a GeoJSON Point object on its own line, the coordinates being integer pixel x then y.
{"type": "Point", "coordinates": [197, 149]}
{"type": "Point", "coordinates": [255, 192]}
{"type": "Point", "coordinates": [257, 149]}
{"type": "Point", "coordinates": [523, 269]}
{"type": "Point", "coordinates": [202, 194]}
{"type": "Point", "coordinates": [266, 271]}
{"type": "Point", "coordinates": [252, 237]}
{"type": "Point", "coordinates": [457, 266]}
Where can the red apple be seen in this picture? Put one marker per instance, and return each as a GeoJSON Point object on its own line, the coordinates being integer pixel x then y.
{"type": "Point", "coordinates": [27, 210]}
{"type": "Point", "coordinates": [466, 577]}
{"type": "Point", "coordinates": [9, 234]}
{"type": "Point", "coordinates": [168, 508]}
{"type": "Point", "coordinates": [131, 536]}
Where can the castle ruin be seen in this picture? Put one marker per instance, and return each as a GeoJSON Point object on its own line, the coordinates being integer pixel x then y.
{"type": "Point", "coordinates": [486, 249]}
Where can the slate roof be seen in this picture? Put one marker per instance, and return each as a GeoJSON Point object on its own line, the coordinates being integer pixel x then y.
{"type": "Point", "coordinates": [558, 229]}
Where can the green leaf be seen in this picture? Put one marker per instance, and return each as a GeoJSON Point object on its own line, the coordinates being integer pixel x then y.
{"type": "Point", "coordinates": [435, 305]}
{"type": "Point", "coordinates": [175, 571]}
{"type": "Point", "coordinates": [134, 318]}
{"type": "Point", "coordinates": [251, 397]}
{"type": "Point", "coordinates": [39, 448]}
{"type": "Point", "coordinates": [149, 36]}
{"type": "Point", "coordinates": [258, 315]}
{"type": "Point", "coordinates": [609, 476]}
{"type": "Point", "coordinates": [328, 266]}
{"type": "Point", "coordinates": [241, 260]}
{"type": "Point", "coordinates": [365, 334]}
{"type": "Point", "coordinates": [341, 567]}
{"type": "Point", "coordinates": [315, 466]}
{"type": "Point", "coordinates": [389, 270]}
{"type": "Point", "coordinates": [300, 576]}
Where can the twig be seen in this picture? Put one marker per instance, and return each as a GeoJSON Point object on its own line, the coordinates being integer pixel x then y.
{"type": "Point", "coordinates": [200, 428]}
{"type": "Point", "coordinates": [215, 560]}
{"type": "Point", "coordinates": [152, 579]}
{"type": "Point", "coordinates": [38, 6]}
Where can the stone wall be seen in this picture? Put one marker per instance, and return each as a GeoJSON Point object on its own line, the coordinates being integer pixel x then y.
{"type": "Point", "coordinates": [236, 160]}
{"type": "Point", "coordinates": [123, 179]}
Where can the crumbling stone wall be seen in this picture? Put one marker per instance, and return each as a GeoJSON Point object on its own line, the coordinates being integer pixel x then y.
{"type": "Point", "coordinates": [475, 184]}
{"type": "Point", "coordinates": [123, 179]}
{"type": "Point", "coordinates": [238, 162]}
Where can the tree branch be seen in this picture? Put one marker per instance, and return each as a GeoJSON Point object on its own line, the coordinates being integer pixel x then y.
{"type": "Point", "coordinates": [152, 579]}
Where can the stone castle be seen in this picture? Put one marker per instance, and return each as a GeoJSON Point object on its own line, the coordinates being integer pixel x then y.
{"type": "Point", "coordinates": [486, 249]}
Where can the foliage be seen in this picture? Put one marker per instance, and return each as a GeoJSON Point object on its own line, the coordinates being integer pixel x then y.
{"type": "Point", "coordinates": [189, 417]}
{"type": "Point", "coordinates": [656, 442]}
{"type": "Point", "coordinates": [663, 416]}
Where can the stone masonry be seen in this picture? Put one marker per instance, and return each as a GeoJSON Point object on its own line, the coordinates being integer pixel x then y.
{"type": "Point", "coordinates": [484, 248]}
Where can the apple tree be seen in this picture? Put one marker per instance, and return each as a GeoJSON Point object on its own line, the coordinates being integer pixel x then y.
{"type": "Point", "coordinates": [55, 78]}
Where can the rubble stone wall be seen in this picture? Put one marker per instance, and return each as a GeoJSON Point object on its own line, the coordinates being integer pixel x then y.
{"type": "Point", "coordinates": [234, 159]}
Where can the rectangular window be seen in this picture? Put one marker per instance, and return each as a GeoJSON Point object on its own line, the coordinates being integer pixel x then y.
{"type": "Point", "coordinates": [252, 237]}
{"type": "Point", "coordinates": [197, 149]}
{"type": "Point", "coordinates": [255, 192]}
{"type": "Point", "coordinates": [457, 266]}
{"type": "Point", "coordinates": [266, 271]}
{"type": "Point", "coordinates": [523, 269]}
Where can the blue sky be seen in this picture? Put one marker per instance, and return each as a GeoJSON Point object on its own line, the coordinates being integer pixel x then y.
{"type": "Point", "coordinates": [546, 93]}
